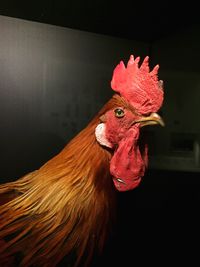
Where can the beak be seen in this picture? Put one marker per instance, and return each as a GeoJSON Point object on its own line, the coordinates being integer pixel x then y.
{"type": "Point", "coordinates": [153, 119]}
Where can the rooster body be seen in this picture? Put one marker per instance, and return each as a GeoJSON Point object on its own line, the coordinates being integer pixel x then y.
{"type": "Point", "coordinates": [66, 208]}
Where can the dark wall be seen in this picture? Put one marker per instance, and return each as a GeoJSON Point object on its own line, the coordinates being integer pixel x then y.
{"type": "Point", "coordinates": [178, 56]}
{"type": "Point", "coordinates": [53, 80]}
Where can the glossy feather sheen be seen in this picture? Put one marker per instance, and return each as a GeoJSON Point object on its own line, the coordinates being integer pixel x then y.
{"type": "Point", "coordinates": [63, 209]}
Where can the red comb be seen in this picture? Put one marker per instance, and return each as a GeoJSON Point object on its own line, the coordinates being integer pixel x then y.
{"type": "Point", "coordinates": [138, 85]}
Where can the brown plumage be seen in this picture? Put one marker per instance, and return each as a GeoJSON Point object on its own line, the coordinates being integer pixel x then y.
{"type": "Point", "coordinates": [66, 208]}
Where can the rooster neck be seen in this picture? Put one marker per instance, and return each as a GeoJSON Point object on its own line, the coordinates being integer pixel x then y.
{"type": "Point", "coordinates": [90, 196]}
{"type": "Point", "coordinates": [66, 206]}
{"type": "Point", "coordinates": [83, 162]}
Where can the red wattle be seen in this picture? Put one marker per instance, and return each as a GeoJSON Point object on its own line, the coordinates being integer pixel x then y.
{"type": "Point", "coordinates": [127, 165]}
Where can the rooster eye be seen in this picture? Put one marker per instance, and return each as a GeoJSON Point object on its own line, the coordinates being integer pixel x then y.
{"type": "Point", "coordinates": [119, 113]}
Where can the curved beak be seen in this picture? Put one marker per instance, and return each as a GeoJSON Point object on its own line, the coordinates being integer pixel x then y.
{"type": "Point", "coordinates": [153, 119]}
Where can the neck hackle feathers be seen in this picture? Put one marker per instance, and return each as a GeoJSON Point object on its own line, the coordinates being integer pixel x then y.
{"type": "Point", "coordinates": [138, 85]}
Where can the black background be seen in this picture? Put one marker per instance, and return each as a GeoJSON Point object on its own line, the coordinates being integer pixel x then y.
{"type": "Point", "coordinates": [137, 20]}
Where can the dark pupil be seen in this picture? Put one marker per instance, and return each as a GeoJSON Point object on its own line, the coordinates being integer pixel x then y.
{"type": "Point", "coordinates": [119, 112]}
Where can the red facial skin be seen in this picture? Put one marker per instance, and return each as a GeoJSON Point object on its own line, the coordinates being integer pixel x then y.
{"type": "Point", "coordinates": [127, 165]}
{"type": "Point", "coordinates": [140, 88]}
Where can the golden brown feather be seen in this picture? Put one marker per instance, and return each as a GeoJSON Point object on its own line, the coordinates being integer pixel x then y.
{"type": "Point", "coordinates": [63, 208]}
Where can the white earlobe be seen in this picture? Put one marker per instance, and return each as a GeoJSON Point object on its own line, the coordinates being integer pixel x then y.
{"type": "Point", "coordinates": [101, 136]}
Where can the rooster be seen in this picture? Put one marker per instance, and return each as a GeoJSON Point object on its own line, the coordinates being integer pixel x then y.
{"type": "Point", "coordinates": [65, 208]}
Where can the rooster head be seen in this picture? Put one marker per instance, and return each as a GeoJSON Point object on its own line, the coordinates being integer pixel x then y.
{"type": "Point", "coordinates": [139, 95]}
